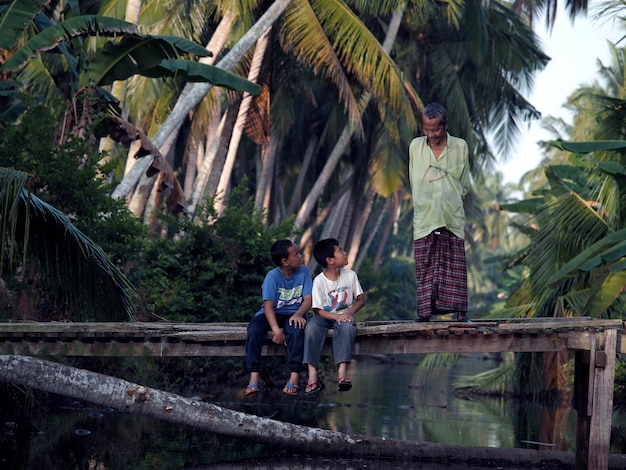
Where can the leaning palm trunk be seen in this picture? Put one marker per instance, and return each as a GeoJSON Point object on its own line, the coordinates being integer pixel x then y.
{"type": "Point", "coordinates": [144, 199]}
{"type": "Point", "coordinates": [205, 170]}
{"type": "Point", "coordinates": [359, 227]}
{"type": "Point", "coordinates": [268, 170]}
{"type": "Point", "coordinates": [306, 161]}
{"type": "Point", "coordinates": [198, 91]}
{"type": "Point", "coordinates": [345, 137]}
{"type": "Point", "coordinates": [307, 235]}
{"type": "Point", "coordinates": [292, 438]}
{"type": "Point", "coordinates": [368, 242]}
{"type": "Point", "coordinates": [242, 117]}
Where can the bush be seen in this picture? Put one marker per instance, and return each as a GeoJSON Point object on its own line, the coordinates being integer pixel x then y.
{"type": "Point", "coordinates": [211, 272]}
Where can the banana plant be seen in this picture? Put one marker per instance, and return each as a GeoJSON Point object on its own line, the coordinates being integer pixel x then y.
{"type": "Point", "coordinates": [151, 56]}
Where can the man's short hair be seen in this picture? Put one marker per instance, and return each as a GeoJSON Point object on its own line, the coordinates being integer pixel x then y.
{"type": "Point", "coordinates": [280, 250]}
{"type": "Point", "coordinates": [324, 249]}
{"type": "Point", "coordinates": [435, 110]}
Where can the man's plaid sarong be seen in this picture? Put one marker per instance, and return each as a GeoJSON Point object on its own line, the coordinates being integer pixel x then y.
{"type": "Point", "coordinates": [440, 274]}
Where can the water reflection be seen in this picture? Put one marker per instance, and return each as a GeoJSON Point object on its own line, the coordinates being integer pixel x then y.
{"type": "Point", "coordinates": [389, 399]}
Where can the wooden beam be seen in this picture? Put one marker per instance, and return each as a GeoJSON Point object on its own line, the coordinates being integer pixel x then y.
{"type": "Point", "coordinates": [600, 431]}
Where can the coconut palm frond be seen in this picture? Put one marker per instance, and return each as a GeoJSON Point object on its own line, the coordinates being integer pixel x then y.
{"type": "Point", "coordinates": [77, 269]}
{"type": "Point", "coordinates": [11, 185]}
{"type": "Point", "coordinates": [304, 36]}
{"type": "Point", "coordinates": [387, 164]}
{"type": "Point", "coordinates": [432, 362]}
{"type": "Point", "coordinates": [496, 380]}
{"type": "Point", "coordinates": [345, 48]}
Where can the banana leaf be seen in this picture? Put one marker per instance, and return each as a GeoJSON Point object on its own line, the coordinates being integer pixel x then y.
{"type": "Point", "coordinates": [89, 25]}
{"type": "Point", "coordinates": [15, 17]}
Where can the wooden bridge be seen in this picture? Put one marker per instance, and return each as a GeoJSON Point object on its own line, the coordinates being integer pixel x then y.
{"type": "Point", "coordinates": [593, 342]}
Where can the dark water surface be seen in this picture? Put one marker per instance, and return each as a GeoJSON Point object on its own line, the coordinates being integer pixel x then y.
{"type": "Point", "coordinates": [389, 399]}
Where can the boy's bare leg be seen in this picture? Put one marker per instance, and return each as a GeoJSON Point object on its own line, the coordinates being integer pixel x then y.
{"type": "Point", "coordinates": [343, 370]}
{"type": "Point", "coordinates": [253, 385]}
{"type": "Point", "coordinates": [343, 382]}
{"type": "Point", "coordinates": [294, 378]}
{"type": "Point", "coordinates": [312, 375]}
{"type": "Point", "coordinates": [254, 378]}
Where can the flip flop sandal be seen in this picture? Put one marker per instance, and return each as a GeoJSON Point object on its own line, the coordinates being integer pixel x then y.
{"type": "Point", "coordinates": [291, 389]}
{"type": "Point", "coordinates": [312, 388]}
{"type": "Point", "coordinates": [252, 389]}
{"type": "Point", "coordinates": [343, 385]}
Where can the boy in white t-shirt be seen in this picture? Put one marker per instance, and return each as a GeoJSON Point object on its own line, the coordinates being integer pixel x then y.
{"type": "Point", "coordinates": [337, 296]}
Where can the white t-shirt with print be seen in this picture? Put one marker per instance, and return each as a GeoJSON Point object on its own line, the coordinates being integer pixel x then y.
{"type": "Point", "coordinates": [335, 296]}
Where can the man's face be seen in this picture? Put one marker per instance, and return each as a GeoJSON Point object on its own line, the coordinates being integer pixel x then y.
{"type": "Point", "coordinates": [434, 131]}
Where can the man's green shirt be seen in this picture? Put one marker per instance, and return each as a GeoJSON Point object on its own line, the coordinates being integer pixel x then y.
{"type": "Point", "coordinates": [438, 186]}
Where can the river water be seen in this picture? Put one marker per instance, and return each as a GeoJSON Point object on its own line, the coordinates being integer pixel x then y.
{"type": "Point", "coordinates": [388, 399]}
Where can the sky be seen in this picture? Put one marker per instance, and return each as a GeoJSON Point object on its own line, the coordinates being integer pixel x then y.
{"type": "Point", "coordinates": [575, 50]}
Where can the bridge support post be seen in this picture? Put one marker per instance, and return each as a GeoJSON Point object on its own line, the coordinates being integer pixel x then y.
{"type": "Point", "coordinates": [594, 378]}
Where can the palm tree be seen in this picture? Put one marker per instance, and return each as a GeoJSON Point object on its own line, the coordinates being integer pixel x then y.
{"type": "Point", "coordinates": [196, 92]}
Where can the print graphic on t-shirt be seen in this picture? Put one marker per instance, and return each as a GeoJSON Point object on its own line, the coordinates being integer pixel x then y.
{"type": "Point", "coordinates": [289, 296]}
{"type": "Point", "coordinates": [338, 299]}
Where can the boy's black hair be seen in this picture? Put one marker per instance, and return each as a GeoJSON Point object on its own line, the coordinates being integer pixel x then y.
{"type": "Point", "coordinates": [324, 249]}
{"type": "Point", "coordinates": [280, 251]}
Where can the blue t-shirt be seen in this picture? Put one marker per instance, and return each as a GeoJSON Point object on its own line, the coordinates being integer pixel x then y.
{"type": "Point", "coordinates": [287, 294]}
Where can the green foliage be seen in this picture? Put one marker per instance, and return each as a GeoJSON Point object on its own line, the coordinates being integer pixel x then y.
{"type": "Point", "coordinates": [66, 176]}
{"type": "Point", "coordinates": [211, 272]}
{"type": "Point", "coordinates": [389, 290]}
{"type": "Point", "coordinates": [64, 180]}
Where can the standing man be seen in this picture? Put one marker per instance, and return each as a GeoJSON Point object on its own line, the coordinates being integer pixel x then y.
{"type": "Point", "coordinates": [439, 177]}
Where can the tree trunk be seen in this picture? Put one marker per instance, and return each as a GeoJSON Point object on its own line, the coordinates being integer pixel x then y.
{"type": "Point", "coordinates": [266, 176]}
{"type": "Point", "coordinates": [306, 161]}
{"type": "Point", "coordinates": [126, 396]}
{"type": "Point", "coordinates": [204, 173]}
{"type": "Point", "coordinates": [242, 116]}
{"type": "Point", "coordinates": [368, 242]}
{"type": "Point", "coordinates": [359, 227]}
{"type": "Point", "coordinates": [378, 259]}
{"type": "Point", "coordinates": [197, 91]}
{"type": "Point", "coordinates": [306, 236]}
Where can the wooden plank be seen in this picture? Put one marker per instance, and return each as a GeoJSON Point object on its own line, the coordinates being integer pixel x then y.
{"type": "Point", "coordinates": [600, 431]}
{"type": "Point", "coordinates": [591, 375]}
{"type": "Point", "coordinates": [581, 391]}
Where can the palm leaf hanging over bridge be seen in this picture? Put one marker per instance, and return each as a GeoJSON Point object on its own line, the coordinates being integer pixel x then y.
{"type": "Point", "coordinates": [73, 266]}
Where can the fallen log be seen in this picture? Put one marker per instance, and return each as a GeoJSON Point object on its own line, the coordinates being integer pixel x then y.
{"type": "Point", "coordinates": [130, 397]}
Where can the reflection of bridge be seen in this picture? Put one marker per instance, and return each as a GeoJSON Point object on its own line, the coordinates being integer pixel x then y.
{"type": "Point", "coordinates": [594, 343]}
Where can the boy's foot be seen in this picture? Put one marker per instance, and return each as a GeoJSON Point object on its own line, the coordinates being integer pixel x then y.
{"type": "Point", "coordinates": [344, 384]}
{"type": "Point", "coordinates": [462, 317]}
{"type": "Point", "coordinates": [312, 388]}
{"type": "Point", "coordinates": [252, 389]}
{"type": "Point", "coordinates": [291, 389]}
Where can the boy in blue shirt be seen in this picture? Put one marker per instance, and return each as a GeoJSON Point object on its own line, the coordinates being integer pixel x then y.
{"type": "Point", "coordinates": [337, 296]}
{"type": "Point", "coordinates": [286, 300]}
